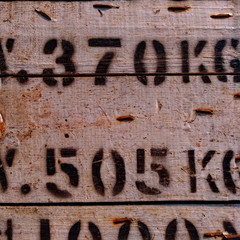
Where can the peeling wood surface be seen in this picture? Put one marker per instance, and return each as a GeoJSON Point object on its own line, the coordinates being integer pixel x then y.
{"type": "Point", "coordinates": [138, 222]}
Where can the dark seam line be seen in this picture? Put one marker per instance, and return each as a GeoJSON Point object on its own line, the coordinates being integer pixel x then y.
{"type": "Point", "coordinates": [62, 0]}
{"type": "Point", "coordinates": [128, 203]}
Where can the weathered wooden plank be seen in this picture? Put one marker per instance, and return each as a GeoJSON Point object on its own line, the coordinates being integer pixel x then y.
{"type": "Point", "coordinates": [202, 38]}
{"type": "Point", "coordinates": [132, 222]}
{"type": "Point", "coordinates": [124, 141]}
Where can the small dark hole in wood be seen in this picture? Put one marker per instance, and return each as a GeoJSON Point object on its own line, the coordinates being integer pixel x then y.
{"type": "Point", "coordinates": [104, 6]}
{"type": "Point", "coordinates": [25, 189]}
{"type": "Point", "coordinates": [126, 118]}
{"type": "Point", "coordinates": [122, 220]}
{"type": "Point", "coordinates": [221, 15]}
{"type": "Point", "coordinates": [178, 9]}
{"type": "Point", "coordinates": [43, 15]}
{"type": "Point", "coordinates": [66, 135]}
{"type": "Point", "coordinates": [237, 159]}
{"type": "Point", "coordinates": [237, 95]}
{"type": "Point", "coordinates": [204, 111]}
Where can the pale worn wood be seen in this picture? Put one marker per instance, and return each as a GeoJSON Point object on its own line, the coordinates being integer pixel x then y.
{"type": "Point", "coordinates": [155, 222]}
{"type": "Point", "coordinates": [130, 21]}
{"type": "Point", "coordinates": [51, 135]}
{"type": "Point", "coordinates": [83, 116]}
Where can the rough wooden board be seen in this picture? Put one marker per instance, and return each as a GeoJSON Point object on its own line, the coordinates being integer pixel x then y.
{"type": "Point", "coordinates": [130, 21]}
{"type": "Point", "coordinates": [83, 116]}
{"type": "Point", "coordinates": [176, 117]}
{"type": "Point", "coordinates": [154, 222]}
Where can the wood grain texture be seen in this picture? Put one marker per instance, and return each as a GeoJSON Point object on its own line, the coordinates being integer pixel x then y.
{"type": "Point", "coordinates": [33, 24]}
{"type": "Point", "coordinates": [109, 139]}
{"type": "Point", "coordinates": [138, 222]}
{"type": "Point", "coordinates": [180, 139]}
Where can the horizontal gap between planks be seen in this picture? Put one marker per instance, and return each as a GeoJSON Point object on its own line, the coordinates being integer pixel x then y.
{"type": "Point", "coordinates": [70, 0]}
{"type": "Point", "coordinates": [116, 74]}
{"type": "Point", "coordinates": [131, 203]}
{"type": "Point", "coordinates": [87, 0]}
